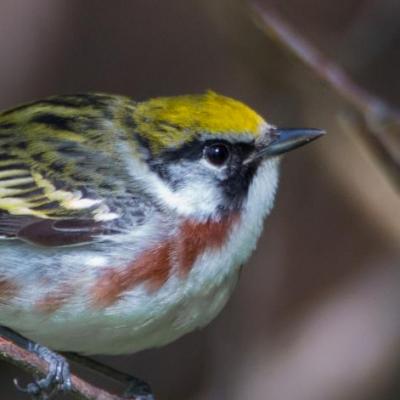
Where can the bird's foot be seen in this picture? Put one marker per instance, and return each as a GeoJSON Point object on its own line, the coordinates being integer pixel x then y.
{"type": "Point", "coordinates": [58, 378]}
{"type": "Point", "coordinates": [138, 390]}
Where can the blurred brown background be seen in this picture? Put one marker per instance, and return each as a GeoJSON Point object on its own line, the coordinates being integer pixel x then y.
{"type": "Point", "coordinates": [316, 314]}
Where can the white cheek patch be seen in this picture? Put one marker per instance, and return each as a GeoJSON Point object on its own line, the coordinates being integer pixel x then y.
{"type": "Point", "coordinates": [198, 196]}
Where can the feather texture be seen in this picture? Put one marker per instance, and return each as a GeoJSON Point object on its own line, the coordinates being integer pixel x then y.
{"type": "Point", "coordinates": [162, 230]}
{"type": "Point", "coordinates": [58, 162]}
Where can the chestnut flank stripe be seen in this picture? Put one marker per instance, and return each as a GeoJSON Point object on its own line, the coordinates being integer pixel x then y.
{"type": "Point", "coordinates": [54, 300]}
{"type": "Point", "coordinates": [154, 265]}
{"type": "Point", "coordinates": [196, 237]}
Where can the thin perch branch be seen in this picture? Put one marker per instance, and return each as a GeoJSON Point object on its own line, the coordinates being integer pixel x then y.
{"type": "Point", "coordinates": [105, 370]}
{"type": "Point", "coordinates": [378, 115]}
{"type": "Point", "coordinates": [32, 364]}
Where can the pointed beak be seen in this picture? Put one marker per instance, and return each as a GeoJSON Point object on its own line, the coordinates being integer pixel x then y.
{"type": "Point", "coordinates": [284, 140]}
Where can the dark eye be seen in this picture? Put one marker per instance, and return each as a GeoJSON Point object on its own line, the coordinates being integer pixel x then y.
{"type": "Point", "coordinates": [217, 154]}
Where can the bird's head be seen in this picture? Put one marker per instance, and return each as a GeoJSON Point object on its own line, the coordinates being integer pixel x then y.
{"type": "Point", "coordinates": [205, 152]}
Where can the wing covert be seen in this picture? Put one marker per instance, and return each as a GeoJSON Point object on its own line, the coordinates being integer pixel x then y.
{"type": "Point", "coordinates": [58, 163]}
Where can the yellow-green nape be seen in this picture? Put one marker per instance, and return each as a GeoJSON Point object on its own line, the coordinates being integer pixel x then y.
{"type": "Point", "coordinates": [170, 121]}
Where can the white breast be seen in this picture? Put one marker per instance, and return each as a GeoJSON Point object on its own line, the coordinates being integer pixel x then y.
{"type": "Point", "coordinates": [143, 320]}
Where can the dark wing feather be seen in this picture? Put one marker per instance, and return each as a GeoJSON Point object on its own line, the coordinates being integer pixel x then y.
{"type": "Point", "coordinates": [49, 232]}
{"type": "Point", "coordinates": [61, 233]}
{"type": "Point", "coordinates": [11, 224]}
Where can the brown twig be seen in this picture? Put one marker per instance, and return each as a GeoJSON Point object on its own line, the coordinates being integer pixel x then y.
{"type": "Point", "coordinates": [379, 117]}
{"type": "Point", "coordinates": [29, 362]}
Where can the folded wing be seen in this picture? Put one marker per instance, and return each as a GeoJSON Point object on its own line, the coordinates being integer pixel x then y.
{"type": "Point", "coordinates": [59, 171]}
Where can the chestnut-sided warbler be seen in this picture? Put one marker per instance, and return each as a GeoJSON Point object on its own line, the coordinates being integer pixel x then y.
{"type": "Point", "coordinates": [124, 224]}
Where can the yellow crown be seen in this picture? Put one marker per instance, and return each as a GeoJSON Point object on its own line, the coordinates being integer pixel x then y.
{"type": "Point", "coordinates": [171, 121]}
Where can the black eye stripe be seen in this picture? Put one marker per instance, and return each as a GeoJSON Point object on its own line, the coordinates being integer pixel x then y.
{"type": "Point", "coordinates": [194, 150]}
{"type": "Point", "coordinates": [233, 181]}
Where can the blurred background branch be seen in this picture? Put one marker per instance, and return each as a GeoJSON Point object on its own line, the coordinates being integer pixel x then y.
{"type": "Point", "coordinates": [379, 119]}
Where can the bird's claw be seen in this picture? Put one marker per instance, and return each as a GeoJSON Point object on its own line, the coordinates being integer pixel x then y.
{"type": "Point", "coordinates": [58, 378]}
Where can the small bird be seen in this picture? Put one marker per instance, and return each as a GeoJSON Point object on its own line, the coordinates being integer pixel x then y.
{"type": "Point", "coordinates": [124, 224]}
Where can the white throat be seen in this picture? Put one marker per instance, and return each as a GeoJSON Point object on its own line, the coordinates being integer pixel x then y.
{"type": "Point", "coordinates": [216, 265]}
{"type": "Point", "coordinates": [257, 206]}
